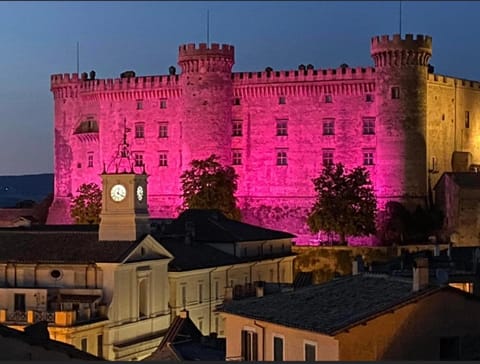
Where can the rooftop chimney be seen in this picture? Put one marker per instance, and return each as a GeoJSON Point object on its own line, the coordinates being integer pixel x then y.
{"type": "Point", "coordinates": [183, 314]}
{"type": "Point", "coordinates": [420, 274]}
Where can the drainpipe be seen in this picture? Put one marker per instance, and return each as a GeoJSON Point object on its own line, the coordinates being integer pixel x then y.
{"type": "Point", "coordinates": [263, 339]}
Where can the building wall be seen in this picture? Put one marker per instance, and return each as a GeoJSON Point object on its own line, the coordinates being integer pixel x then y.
{"type": "Point", "coordinates": [426, 122]}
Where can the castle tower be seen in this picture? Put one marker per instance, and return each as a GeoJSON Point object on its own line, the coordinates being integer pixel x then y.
{"type": "Point", "coordinates": [207, 101]}
{"type": "Point", "coordinates": [401, 67]}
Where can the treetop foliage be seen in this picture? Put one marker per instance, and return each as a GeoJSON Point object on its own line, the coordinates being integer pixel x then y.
{"type": "Point", "coordinates": [87, 205]}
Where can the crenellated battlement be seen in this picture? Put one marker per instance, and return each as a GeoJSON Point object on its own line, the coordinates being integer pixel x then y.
{"type": "Point", "coordinates": [191, 51]}
{"type": "Point", "coordinates": [331, 74]}
{"type": "Point", "coordinates": [63, 79]}
{"type": "Point", "coordinates": [410, 42]}
{"type": "Point", "coordinates": [397, 51]}
{"type": "Point", "coordinates": [452, 81]}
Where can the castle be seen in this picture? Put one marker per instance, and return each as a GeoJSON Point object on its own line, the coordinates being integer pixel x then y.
{"type": "Point", "coordinates": [404, 123]}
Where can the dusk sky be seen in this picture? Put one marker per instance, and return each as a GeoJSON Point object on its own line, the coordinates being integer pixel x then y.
{"type": "Point", "coordinates": [39, 39]}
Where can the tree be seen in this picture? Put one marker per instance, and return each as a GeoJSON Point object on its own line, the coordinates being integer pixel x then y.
{"type": "Point", "coordinates": [345, 203]}
{"type": "Point", "coordinates": [87, 205]}
{"type": "Point", "coordinates": [209, 185]}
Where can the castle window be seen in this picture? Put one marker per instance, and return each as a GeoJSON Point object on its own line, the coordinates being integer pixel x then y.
{"type": "Point", "coordinates": [162, 159]}
{"type": "Point", "coordinates": [328, 99]}
{"type": "Point", "coordinates": [369, 98]}
{"type": "Point", "coordinates": [139, 131]}
{"type": "Point", "coordinates": [237, 157]}
{"type": "Point", "coordinates": [138, 160]}
{"type": "Point", "coordinates": [328, 126]}
{"type": "Point", "coordinates": [163, 103]}
{"type": "Point", "coordinates": [163, 130]}
{"type": "Point", "coordinates": [368, 158]}
{"type": "Point", "coordinates": [368, 127]}
{"type": "Point", "coordinates": [139, 104]}
{"type": "Point", "coordinates": [327, 157]}
{"type": "Point", "coordinates": [395, 93]}
{"type": "Point", "coordinates": [87, 126]}
{"type": "Point", "coordinates": [237, 128]}
{"type": "Point", "coordinates": [282, 129]}
{"type": "Point", "coordinates": [282, 157]}
{"type": "Point", "coordinates": [90, 160]}
{"type": "Point", "coordinates": [282, 100]}
{"type": "Point", "coordinates": [467, 119]}
{"type": "Point", "coordinates": [236, 101]}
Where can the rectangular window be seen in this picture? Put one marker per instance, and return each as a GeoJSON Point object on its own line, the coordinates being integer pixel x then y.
{"type": "Point", "coordinates": [140, 130]}
{"type": "Point", "coordinates": [100, 346]}
{"type": "Point", "coordinates": [395, 93]}
{"type": "Point", "coordinates": [163, 103]}
{"type": "Point", "coordinates": [237, 128]}
{"type": "Point", "coordinates": [139, 104]}
{"type": "Point", "coordinates": [163, 130]}
{"type": "Point", "coordinates": [328, 99]}
{"type": "Point", "coordinates": [184, 296]}
{"type": "Point", "coordinates": [368, 157]}
{"type": "Point", "coordinates": [138, 160]}
{"type": "Point", "coordinates": [236, 157]}
{"type": "Point", "coordinates": [282, 127]}
{"type": "Point", "coordinates": [277, 348]}
{"type": "Point", "coordinates": [90, 160]}
{"type": "Point", "coordinates": [368, 126]}
{"type": "Point", "coordinates": [450, 348]}
{"type": "Point", "coordinates": [200, 293]}
{"type": "Point", "coordinates": [236, 101]}
{"type": "Point", "coordinates": [467, 119]}
{"type": "Point", "coordinates": [310, 352]}
{"type": "Point", "coordinates": [217, 322]}
{"type": "Point", "coordinates": [369, 98]}
{"type": "Point", "coordinates": [19, 302]}
{"type": "Point", "coordinates": [282, 100]}
{"type": "Point", "coordinates": [328, 126]}
{"type": "Point", "coordinates": [249, 345]}
{"type": "Point", "coordinates": [162, 159]}
{"type": "Point", "coordinates": [84, 344]}
{"type": "Point", "coordinates": [217, 290]}
{"type": "Point", "coordinates": [282, 157]}
{"type": "Point", "coordinates": [327, 157]}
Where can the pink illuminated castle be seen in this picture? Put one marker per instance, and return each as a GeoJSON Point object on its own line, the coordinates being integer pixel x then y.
{"type": "Point", "coordinates": [277, 128]}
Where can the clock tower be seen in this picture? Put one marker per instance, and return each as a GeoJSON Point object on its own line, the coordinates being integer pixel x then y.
{"type": "Point", "coordinates": [124, 215]}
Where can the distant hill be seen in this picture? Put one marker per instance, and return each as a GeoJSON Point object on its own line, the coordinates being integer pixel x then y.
{"type": "Point", "coordinates": [14, 189]}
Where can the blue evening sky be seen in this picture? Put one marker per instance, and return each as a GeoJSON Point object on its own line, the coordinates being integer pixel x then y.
{"type": "Point", "coordinates": [39, 39]}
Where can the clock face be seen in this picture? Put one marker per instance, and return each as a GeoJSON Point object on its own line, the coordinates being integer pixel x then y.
{"type": "Point", "coordinates": [140, 193]}
{"type": "Point", "coordinates": [118, 193]}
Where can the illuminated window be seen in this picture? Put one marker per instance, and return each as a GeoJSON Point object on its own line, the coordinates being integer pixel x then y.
{"type": "Point", "coordinates": [237, 126]}
{"type": "Point", "coordinates": [237, 157]}
{"type": "Point", "coordinates": [162, 159]}
{"type": "Point", "coordinates": [282, 157]}
{"type": "Point", "coordinates": [282, 100]}
{"type": "Point", "coordinates": [328, 99]}
{"type": "Point", "coordinates": [395, 93]}
{"type": "Point", "coordinates": [139, 104]}
{"type": "Point", "coordinates": [327, 157]}
{"type": "Point", "coordinates": [368, 158]}
{"type": "Point", "coordinates": [368, 127]}
{"type": "Point", "coordinates": [328, 126]}
{"type": "Point", "coordinates": [138, 160]}
{"type": "Point", "coordinates": [163, 103]}
{"type": "Point", "coordinates": [249, 345]}
{"type": "Point", "coordinates": [282, 127]}
{"type": "Point", "coordinates": [139, 131]}
{"type": "Point", "coordinates": [277, 348]}
{"type": "Point", "coordinates": [90, 160]}
{"type": "Point", "coordinates": [369, 98]}
{"type": "Point", "coordinates": [467, 119]}
{"type": "Point", "coordinates": [163, 130]}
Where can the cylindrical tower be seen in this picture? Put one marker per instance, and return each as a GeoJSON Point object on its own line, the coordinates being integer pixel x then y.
{"type": "Point", "coordinates": [207, 101]}
{"type": "Point", "coordinates": [401, 67]}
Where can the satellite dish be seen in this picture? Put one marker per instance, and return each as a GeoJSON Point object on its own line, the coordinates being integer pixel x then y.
{"type": "Point", "coordinates": [442, 276]}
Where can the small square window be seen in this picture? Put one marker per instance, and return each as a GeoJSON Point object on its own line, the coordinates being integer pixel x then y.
{"type": "Point", "coordinates": [395, 92]}
{"type": "Point", "coordinates": [328, 99]}
{"type": "Point", "coordinates": [163, 103]}
{"type": "Point", "coordinates": [163, 130]}
{"type": "Point", "coordinates": [282, 127]}
{"type": "Point", "coordinates": [327, 157]}
{"type": "Point", "coordinates": [282, 157]}
{"type": "Point", "coordinates": [282, 100]}
{"type": "Point", "coordinates": [467, 119]}
{"type": "Point", "coordinates": [236, 101]}
{"type": "Point", "coordinates": [369, 98]}
{"type": "Point", "coordinates": [368, 158]}
{"type": "Point", "coordinates": [162, 159]}
{"type": "Point", "coordinates": [139, 104]}
{"type": "Point", "coordinates": [90, 160]}
{"type": "Point", "coordinates": [237, 126]}
{"type": "Point", "coordinates": [368, 126]}
{"type": "Point", "coordinates": [328, 126]}
{"type": "Point", "coordinates": [139, 131]}
{"type": "Point", "coordinates": [138, 160]}
{"type": "Point", "coordinates": [237, 157]}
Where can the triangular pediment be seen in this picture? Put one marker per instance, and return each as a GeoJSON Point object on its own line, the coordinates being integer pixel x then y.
{"type": "Point", "coordinates": [148, 249]}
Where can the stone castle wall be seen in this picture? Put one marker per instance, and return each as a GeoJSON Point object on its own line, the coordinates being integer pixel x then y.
{"type": "Point", "coordinates": [203, 107]}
